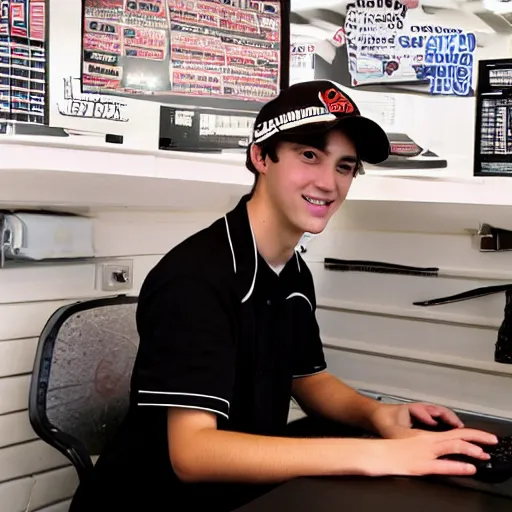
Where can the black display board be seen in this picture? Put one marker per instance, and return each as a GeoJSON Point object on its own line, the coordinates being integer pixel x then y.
{"type": "Point", "coordinates": [493, 133]}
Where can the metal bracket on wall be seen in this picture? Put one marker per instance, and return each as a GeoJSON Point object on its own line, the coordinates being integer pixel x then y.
{"type": "Point", "coordinates": [494, 239]}
{"type": "Point", "coordinates": [503, 347]}
{"type": "Point", "coordinates": [4, 239]}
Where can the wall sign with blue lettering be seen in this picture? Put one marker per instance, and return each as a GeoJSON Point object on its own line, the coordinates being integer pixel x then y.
{"type": "Point", "coordinates": [448, 63]}
{"type": "Point", "coordinates": [385, 47]}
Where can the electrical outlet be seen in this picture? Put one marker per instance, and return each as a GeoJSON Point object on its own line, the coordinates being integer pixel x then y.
{"type": "Point", "coordinates": [116, 275]}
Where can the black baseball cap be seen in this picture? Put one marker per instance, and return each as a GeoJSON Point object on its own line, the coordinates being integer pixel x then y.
{"type": "Point", "coordinates": [316, 106]}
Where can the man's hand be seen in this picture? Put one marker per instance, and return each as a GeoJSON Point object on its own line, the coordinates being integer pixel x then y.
{"type": "Point", "coordinates": [419, 455]}
{"type": "Point", "coordinates": [394, 421]}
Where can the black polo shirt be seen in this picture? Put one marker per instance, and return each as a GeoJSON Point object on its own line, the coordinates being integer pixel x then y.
{"type": "Point", "coordinates": [222, 332]}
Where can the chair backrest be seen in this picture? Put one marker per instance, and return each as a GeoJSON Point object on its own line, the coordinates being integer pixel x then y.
{"type": "Point", "coordinates": [80, 385]}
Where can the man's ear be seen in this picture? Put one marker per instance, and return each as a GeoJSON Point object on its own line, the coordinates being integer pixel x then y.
{"type": "Point", "coordinates": [257, 159]}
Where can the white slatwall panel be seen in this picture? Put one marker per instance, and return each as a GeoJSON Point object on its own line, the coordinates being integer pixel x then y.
{"type": "Point", "coordinates": [33, 475]}
{"type": "Point", "coordinates": [26, 319]}
{"type": "Point", "coordinates": [17, 356]}
{"type": "Point", "coordinates": [440, 218]}
{"type": "Point", "coordinates": [52, 486]}
{"type": "Point", "coordinates": [38, 491]}
{"type": "Point", "coordinates": [397, 293]}
{"type": "Point", "coordinates": [378, 340]}
{"type": "Point", "coordinates": [14, 495]}
{"type": "Point", "coordinates": [28, 458]}
{"type": "Point", "coordinates": [146, 232]}
{"type": "Point", "coordinates": [67, 281]}
{"type": "Point", "coordinates": [14, 393]}
{"type": "Point", "coordinates": [464, 389]}
{"type": "Point", "coordinates": [15, 428]}
{"type": "Point", "coordinates": [423, 337]}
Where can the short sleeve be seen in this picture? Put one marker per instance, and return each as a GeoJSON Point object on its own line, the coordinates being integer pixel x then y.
{"type": "Point", "coordinates": [308, 351]}
{"type": "Point", "coordinates": [186, 356]}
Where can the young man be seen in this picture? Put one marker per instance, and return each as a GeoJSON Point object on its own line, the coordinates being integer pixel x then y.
{"type": "Point", "coordinates": [228, 334]}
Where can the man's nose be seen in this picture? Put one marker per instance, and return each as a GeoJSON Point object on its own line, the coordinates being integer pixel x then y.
{"type": "Point", "coordinates": [325, 178]}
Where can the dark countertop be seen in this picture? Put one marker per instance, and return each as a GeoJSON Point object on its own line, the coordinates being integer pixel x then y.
{"type": "Point", "coordinates": [403, 494]}
{"type": "Point", "coordinates": [348, 494]}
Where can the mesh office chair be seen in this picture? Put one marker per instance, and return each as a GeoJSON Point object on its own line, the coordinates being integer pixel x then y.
{"type": "Point", "coordinates": [79, 391]}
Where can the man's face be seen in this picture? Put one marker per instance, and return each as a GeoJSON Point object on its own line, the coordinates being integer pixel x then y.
{"type": "Point", "coordinates": [306, 186]}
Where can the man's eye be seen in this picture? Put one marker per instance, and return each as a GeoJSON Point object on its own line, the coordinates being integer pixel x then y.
{"type": "Point", "coordinates": [345, 169]}
{"type": "Point", "coordinates": [309, 155]}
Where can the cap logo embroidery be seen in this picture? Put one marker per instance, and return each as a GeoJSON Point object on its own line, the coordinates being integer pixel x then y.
{"type": "Point", "coordinates": [335, 102]}
{"type": "Point", "coordinates": [287, 120]}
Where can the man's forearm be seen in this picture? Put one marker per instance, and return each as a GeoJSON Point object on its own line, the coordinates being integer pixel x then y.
{"type": "Point", "coordinates": [326, 395]}
{"type": "Point", "coordinates": [216, 455]}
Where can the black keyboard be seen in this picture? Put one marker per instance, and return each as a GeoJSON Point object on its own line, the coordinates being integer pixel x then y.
{"type": "Point", "coordinates": [498, 468]}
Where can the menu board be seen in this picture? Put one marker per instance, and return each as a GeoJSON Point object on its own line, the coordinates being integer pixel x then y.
{"type": "Point", "coordinates": [229, 49]}
{"type": "Point", "coordinates": [493, 140]}
{"type": "Point", "coordinates": [23, 60]}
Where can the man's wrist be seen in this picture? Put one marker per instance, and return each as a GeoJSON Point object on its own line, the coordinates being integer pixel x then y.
{"type": "Point", "coordinates": [384, 423]}
{"type": "Point", "coordinates": [365, 457]}
{"type": "Point", "coordinates": [368, 408]}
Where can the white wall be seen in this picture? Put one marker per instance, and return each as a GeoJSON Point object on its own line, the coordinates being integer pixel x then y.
{"type": "Point", "coordinates": [378, 340]}
{"type": "Point", "coordinates": [33, 475]}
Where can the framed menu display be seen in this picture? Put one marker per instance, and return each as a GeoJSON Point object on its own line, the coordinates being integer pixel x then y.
{"type": "Point", "coordinates": [493, 135]}
{"type": "Point", "coordinates": [229, 54]}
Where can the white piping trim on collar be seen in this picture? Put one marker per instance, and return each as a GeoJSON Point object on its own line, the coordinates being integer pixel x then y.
{"type": "Point", "coordinates": [297, 258]}
{"type": "Point", "coordinates": [298, 294]}
{"type": "Point", "coordinates": [230, 243]}
{"type": "Point", "coordinates": [251, 289]}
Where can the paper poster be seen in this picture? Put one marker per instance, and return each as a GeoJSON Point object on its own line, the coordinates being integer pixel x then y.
{"type": "Point", "coordinates": [18, 18]}
{"type": "Point", "coordinates": [37, 14]}
{"type": "Point", "coordinates": [302, 62]}
{"type": "Point", "coordinates": [384, 45]}
{"type": "Point", "coordinates": [148, 14]}
{"type": "Point", "coordinates": [145, 43]}
{"type": "Point", "coordinates": [102, 45]}
{"type": "Point", "coordinates": [4, 17]}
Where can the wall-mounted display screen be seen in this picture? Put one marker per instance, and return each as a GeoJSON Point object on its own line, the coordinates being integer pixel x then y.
{"type": "Point", "coordinates": [207, 53]}
{"type": "Point", "coordinates": [493, 138]}
{"type": "Point", "coordinates": [23, 61]}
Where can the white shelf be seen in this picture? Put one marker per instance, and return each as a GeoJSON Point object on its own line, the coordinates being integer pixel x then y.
{"type": "Point", "coordinates": [85, 172]}
{"type": "Point", "coordinates": [495, 191]}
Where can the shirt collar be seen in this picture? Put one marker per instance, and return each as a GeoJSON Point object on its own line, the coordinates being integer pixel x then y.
{"type": "Point", "coordinates": [243, 248]}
